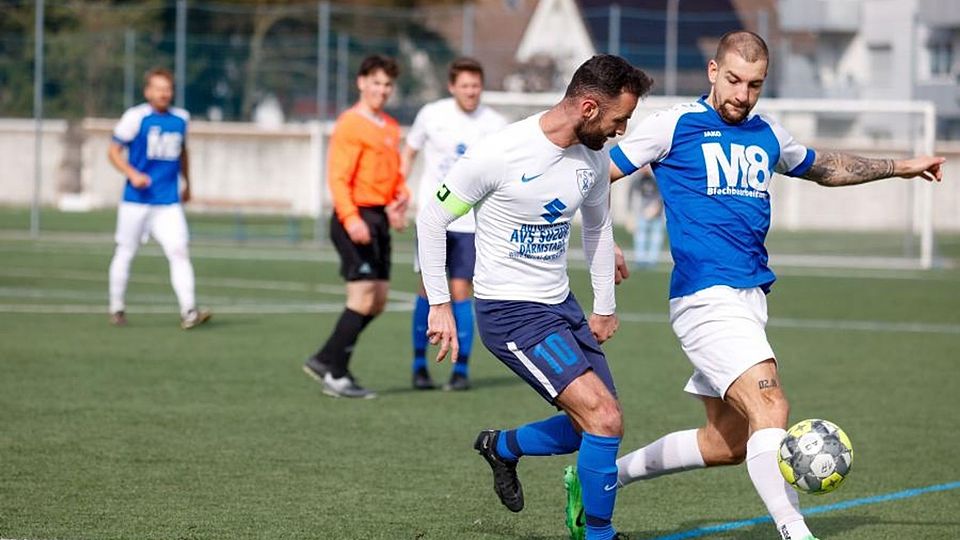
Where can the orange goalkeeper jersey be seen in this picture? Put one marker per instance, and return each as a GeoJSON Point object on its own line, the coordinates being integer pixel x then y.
{"type": "Point", "coordinates": [363, 166]}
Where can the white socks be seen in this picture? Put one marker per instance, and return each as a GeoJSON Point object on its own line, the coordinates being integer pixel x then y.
{"type": "Point", "coordinates": [676, 452]}
{"type": "Point", "coordinates": [781, 499]}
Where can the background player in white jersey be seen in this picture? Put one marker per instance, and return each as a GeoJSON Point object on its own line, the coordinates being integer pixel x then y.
{"type": "Point", "coordinates": [526, 184]}
{"type": "Point", "coordinates": [714, 161]}
{"type": "Point", "coordinates": [155, 137]}
{"type": "Point", "coordinates": [443, 130]}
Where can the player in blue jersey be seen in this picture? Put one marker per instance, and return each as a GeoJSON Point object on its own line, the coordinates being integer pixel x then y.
{"type": "Point", "coordinates": [714, 160]}
{"type": "Point", "coordinates": [526, 184]}
{"type": "Point", "coordinates": [154, 135]}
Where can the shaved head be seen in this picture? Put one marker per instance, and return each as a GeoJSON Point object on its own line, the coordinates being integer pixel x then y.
{"type": "Point", "coordinates": [744, 44]}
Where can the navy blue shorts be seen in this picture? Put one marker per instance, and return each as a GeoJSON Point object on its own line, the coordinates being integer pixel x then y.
{"type": "Point", "coordinates": [461, 256]}
{"type": "Point", "coordinates": [546, 345]}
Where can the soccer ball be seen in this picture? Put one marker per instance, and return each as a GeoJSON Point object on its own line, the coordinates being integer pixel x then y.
{"type": "Point", "coordinates": [815, 456]}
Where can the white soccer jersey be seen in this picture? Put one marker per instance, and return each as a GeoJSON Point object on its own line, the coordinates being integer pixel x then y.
{"type": "Point", "coordinates": [526, 191]}
{"type": "Point", "coordinates": [443, 132]}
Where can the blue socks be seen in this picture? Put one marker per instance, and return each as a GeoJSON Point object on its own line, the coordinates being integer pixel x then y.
{"type": "Point", "coordinates": [596, 464]}
{"type": "Point", "coordinates": [553, 436]}
{"type": "Point", "coordinates": [420, 312]}
{"type": "Point", "coordinates": [597, 468]}
{"type": "Point", "coordinates": [463, 314]}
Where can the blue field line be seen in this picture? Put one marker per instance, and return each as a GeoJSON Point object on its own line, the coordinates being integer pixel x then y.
{"type": "Point", "coordinates": [732, 525]}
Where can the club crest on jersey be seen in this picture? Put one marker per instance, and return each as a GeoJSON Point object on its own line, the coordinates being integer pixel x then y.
{"type": "Point", "coordinates": [745, 170]}
{"type": "Point", "coordinates": [586, 178]}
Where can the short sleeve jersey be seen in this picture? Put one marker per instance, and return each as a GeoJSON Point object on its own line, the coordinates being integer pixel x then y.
{"type": "Point", "coordinates": [154, 141]}
{"type": "Point", "coordinates": [714, 178]}
{"type": "Point", "coordinates": [443, 132]}
{"type": "Point", "coordinates": [525, 191]}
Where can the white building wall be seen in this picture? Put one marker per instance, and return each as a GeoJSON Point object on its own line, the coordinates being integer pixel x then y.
{"type": "Point", "coordinates": [238, 167]}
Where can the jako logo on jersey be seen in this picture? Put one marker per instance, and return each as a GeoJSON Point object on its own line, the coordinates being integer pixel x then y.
{"type": "Point", "coordinates": [163, 146]}
{"type": "Point", "coordinates": [586, 178]}
{"type": "Point", "coordinates": [746, 171]}
{"type": "Point", "coordinates": [712, 133]}
{"type": "Point", "coordinates": [554, 210]}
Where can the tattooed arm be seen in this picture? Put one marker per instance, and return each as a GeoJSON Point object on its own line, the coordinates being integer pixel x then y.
{"type": "Point", "coordinates": [834, 169]}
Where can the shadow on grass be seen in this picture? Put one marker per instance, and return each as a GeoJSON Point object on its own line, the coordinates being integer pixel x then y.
{"type": "Point", "coordinates": [475, 384]}
{"type": "Point", "coordinates": [823, 526]}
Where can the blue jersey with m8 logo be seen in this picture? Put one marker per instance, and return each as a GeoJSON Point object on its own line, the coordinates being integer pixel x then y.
{"type": "Point", "coordinates": [154, 141]}
{"type": "Point", "coordinates": [714, 178]}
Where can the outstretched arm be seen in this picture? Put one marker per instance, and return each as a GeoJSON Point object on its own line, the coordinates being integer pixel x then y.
{"type": "Point", "coordinates": [834, 169]}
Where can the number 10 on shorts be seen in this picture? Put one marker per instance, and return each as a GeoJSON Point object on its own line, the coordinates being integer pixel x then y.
{"type": "Point", "coordinates": [555, 350]}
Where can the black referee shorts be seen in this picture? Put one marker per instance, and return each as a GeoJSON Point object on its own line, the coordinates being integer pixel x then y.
{"type": "Point", "coordinates": [364, 262]}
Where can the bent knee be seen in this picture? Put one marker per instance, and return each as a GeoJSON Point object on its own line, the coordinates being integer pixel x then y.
{"type": "Point", "coordinates": [774, 411]}
{"type": "Point", "coordinates": [606, 419]}
{"type": "Point", "coordinates": [724, 443]}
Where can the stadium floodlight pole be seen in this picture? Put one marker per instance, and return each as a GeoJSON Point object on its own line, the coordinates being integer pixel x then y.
{"type": "Point", "coordinates": [37, 118]}
{"type": "Point", "coordinates": [613, 30]}
{"type": "Point", "coordinates": [343, 71]}
{"type": "Point", "coordinates": [323, 83]}
{"type": "Point", "coordinates": [670, 58]}
{"type": "Point", "coordinates": [180, 62]}
{"type": "Point", "coordinates": [469, 16]}
{"type": "Point", "coordinates": [129, 43]}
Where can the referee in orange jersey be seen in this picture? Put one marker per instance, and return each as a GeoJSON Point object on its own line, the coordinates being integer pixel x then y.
{"type": "Point", "coordinates": [370, 197]}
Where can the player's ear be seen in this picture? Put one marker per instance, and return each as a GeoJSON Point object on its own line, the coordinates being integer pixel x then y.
{"type": "Point", "coordinates": [713, 70]}
{"type": "Point", "coordinates": [589, 108]}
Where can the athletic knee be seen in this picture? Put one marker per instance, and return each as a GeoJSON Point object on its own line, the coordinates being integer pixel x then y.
{"type": "Point", "coordinates": [727, 452]}
{"type": "Point", "coordinates": [773, 412]}
{"type": "Point", "coordinates": [604, 418]}
{"type": "Point", "coordinates": [723, 441]}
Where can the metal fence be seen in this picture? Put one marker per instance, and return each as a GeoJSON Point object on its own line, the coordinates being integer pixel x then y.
{"type": "Point", "coordinates": [294, 60]}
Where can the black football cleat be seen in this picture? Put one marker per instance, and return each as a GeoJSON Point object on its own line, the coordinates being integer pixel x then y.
{"type": "Point", "coordinates": [505, 481]}
{"type": "Point", "coordinates": [422, 380]}
{"type": "Point", "coordinates": [457, 383]}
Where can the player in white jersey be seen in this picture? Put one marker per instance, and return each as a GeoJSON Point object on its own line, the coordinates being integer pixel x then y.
{"type": "Point", "coordinates": [713, 160]}
{"type": "Point", "coordinates": [526, 185]}
{"type": "Point", "coordinates": [443, 131]}
{"type": "Point", "coordinates": [155, 137]}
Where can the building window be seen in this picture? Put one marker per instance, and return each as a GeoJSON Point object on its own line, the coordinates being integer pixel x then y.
{"type": "Point", "coordinates": [881, 65]}
{"type": "Point", "coordinates": [941, 58]}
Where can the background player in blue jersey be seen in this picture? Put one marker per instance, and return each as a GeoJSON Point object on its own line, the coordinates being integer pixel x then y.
{"type": "Point", "coordinates": [155, 137]}
{"type": "Point", "coordinates": [527, 183]}
{"type": "Point", "coordinates": [714, 160]}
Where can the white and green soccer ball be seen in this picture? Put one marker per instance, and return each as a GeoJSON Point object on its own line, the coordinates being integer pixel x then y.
{"type": "Point", "coordinates": [815, 456]}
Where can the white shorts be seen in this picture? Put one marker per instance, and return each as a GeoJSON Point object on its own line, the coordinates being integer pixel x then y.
{"type": "Point", "coordinates": [721, 330]}
{"type": "Point", "coordinates": [165, 222]}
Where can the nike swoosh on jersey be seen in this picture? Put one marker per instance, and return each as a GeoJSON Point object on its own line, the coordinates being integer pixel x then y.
{"type": "Point", "coordinates": [524, 178]}
{"type": "Point", "coordinates": [610, 488]}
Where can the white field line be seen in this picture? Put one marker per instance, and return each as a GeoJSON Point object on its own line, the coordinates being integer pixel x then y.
{"type": "Point", "coordinates": [828, 266]}
{"type": "Point", "coordinates": [272, 308]}
{"type": "Point", "coordinates": [229, 283]}
{"type": "Point", "coordinates": [257, 309]}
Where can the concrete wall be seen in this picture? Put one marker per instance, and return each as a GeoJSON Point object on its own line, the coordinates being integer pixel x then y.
{"type": "Point", "coordinates": [238, 166]}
